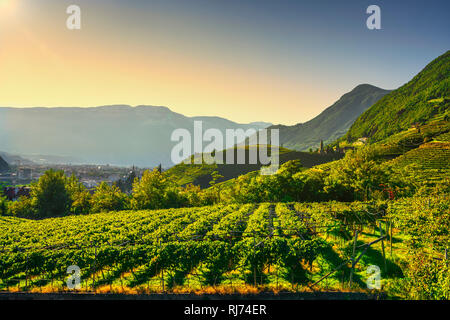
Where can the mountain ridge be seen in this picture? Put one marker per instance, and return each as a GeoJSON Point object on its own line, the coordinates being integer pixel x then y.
{"type": "Point", "coordinates": [416, 102]}
{"type": "Point", "coordinates": [333, 122]}
{"type": "Point", "coordinates": [117, 134]}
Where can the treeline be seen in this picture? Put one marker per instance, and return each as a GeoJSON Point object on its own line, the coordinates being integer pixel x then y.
{"type": "Point", "coordinates": [358, 176]}
{"type": "Point", "coordinates": [55, 194]}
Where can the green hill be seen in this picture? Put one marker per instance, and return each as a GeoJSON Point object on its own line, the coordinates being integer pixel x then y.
{"type": "Point", "coordinates": [419, 100]}
{"type": "Point", "coordinates": [333, 122]}
{"type": "Point", "coordinates": [432, 155]}
{"type": "Point", "coordinates": [200, 174]}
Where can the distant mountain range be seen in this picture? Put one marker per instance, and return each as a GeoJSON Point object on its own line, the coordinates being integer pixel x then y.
{"type": "Point", "coordinates": [13, 159]}
{"type": "Point", "coordinates": [124, 135]}
{"type": "Point", "coordinates": [424, 97]}
{"type": "Point", "coordinates": [333, 122]}
{"type": "Point", "coordinates": [117, 135]}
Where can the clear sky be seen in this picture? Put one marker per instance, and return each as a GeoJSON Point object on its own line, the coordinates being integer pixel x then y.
{"type": "Point", "coordinates": [281, 61]}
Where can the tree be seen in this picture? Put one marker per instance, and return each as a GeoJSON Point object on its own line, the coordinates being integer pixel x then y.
{"type": "Point", "coordinates": [23, 208]}
{"type": "Point", "coordinates": [216, 176]}
{"type": "Point", "coordinates": [3, 205]}
{"type": "Point", "coordinates": [50, 196]}
{"type": "Point", "coordinates": [191, 195]}
{"type": "Point", "coordinates": [107, 198]}
{"type": "Point", "coordinates": [309, 185]}
{"type": "Point", "coordinates": [80, 197]}
{"type": "Point", "coordinates": [357, 172]}
{"type": "Point", "coordinates": [154, 191]}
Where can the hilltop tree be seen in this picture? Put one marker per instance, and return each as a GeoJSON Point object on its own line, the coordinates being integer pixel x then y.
{"type": "Point", "coordinates": [215, 175]}
{"type": "Point", "coordinates": [108, 198]}
{"type": "Point", "coordinates": [357, 173]}
{"type": "Point", "coordinates": [154, 191]}
{"type": "Point", "coordinates": [3, 205]}
{"type": "Point", "coordinates": [50, 196]}
{"type": "Point", "coordinates": [79, 196]}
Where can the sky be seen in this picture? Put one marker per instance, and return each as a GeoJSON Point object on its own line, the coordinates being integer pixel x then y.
{"type": "Point", "coordinates": [280, 61]}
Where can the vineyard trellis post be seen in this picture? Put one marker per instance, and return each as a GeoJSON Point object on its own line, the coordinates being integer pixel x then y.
{"type": "Point", "coordinates": [86, 257]}
{"type": "Point", "coordinates": [26, 271]}
{"type": "Point", "coordinates": [382, 247]}
{"type": "Point", "coordinates": [95, 268]}
{"type": "Point", "coordinates": [390, 236]}
{"type": "Point", "coordinates": [353, 258]}
{"type": "Point", "coordinates": [162, 268]}
{"type": "Point", "coordinates": [254, 267]}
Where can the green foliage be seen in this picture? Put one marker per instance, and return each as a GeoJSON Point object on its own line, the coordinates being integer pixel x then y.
{"type": "Point", "coordinates": [53, 195]}
{"type": "Point", "coordinates": [23, 207]}
{"type": "Point", "coordinates": [108, 198]}
{"type": "Point", "coordinates": [155, 191]}
{"type": "Point", "coordinates": [49, 195]}
{"type": "Point", "coordinates": [426, 223]}
{"type": "Point", "coordinates": [79, 195]}
{"type": "Point", "coordinates": [3, 205]}
{"type": "Point", "coordinates": [245, 239]}
{"type": "Point", "coordinates": [428, 278]}
{"type": "Point", "coordinates": [202, 174]}
{"type": "Point", "coordinates": [356, 173]}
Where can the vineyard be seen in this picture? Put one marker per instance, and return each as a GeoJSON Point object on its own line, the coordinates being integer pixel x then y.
{"type": "Point", "coordinates": [434, 155]}
{"type": "Point", "coordinates": [269, 246]}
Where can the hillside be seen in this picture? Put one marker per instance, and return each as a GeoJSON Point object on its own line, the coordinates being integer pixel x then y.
{"type": "Point", "coordinates": [117, 135]}
{"type": "Point", "coordinates": [200, 174]}
{"type": "Point", "coordinates": [3, 165]}
{"type": "Point", "coordinates": [13, 159]}
{"type": "Point", "coordinates": [333, 122]}
{"type": "Point", "coordinates": [419, 100]}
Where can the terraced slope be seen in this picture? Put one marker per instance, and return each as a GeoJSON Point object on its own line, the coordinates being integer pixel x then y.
{"type": "Point", "coordinates": [432, 155]}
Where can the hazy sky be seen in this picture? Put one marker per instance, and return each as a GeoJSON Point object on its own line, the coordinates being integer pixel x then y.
{"type": "Point", "coordinates": [281, 61]}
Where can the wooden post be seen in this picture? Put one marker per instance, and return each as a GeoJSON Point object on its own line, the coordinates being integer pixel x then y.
{"type": "Point", "coordinates": [390, 236]}
{"type": "Point", "coordinates": [95, 267]}
{"type": "Point", "coordinates": [254, 269]}
{"type": "Point", "coordinates": [26, 273]}
{"type": "Point", "coordinates": [277, 276]}
{"type": "Point", "coordinates": [162, 269]}
{"type": "Point", "coordinates": [353, 258]}
{"type": "Point", "coordinates": [382, 247]}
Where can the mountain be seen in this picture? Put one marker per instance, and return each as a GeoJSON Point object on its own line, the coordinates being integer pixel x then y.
{"type": "Point", "coordinates": [117, 135]}
{"type": "Point", "coordinates": [3, 165]}
{"type": "Point", "coordinates": [416, 102]}
{"type": "Point", "coordinates": [333, 122]}
{"type": "Point", "coordinates": [14, 159]}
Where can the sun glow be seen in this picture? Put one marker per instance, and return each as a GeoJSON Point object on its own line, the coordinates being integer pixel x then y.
{"type": "Point", "coordinates": [8, 6]}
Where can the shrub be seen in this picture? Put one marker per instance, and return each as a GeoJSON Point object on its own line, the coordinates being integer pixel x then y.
{"type": "Point", "coordinates": [108, 198]}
